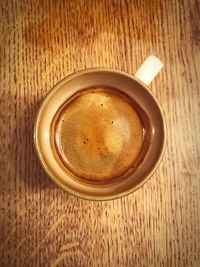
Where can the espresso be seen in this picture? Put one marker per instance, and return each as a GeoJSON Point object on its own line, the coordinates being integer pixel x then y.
{"type": "Point", "coordinates": [100, 134]}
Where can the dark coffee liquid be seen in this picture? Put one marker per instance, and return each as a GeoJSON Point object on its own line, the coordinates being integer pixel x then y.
{"type": "Point", "coordinates": [100, 134]}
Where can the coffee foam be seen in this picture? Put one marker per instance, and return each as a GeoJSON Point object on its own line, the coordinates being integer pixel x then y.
{"type": "Point", "coordinates": [99, 134]}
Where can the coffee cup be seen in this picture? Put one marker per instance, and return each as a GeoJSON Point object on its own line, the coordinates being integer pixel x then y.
{"type": "Point", "coordinates": [134, 87]}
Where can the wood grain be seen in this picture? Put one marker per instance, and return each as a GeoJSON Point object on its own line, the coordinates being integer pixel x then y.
{"type": "Point", "coordinates": [40, 43]}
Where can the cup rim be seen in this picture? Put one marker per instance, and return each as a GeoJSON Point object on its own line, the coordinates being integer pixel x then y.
{"type": "Point", "coordinates": [54, 178]}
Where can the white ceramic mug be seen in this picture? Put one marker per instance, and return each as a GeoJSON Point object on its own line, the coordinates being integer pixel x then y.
{"type": "Point", "coordinates": [135, 86]}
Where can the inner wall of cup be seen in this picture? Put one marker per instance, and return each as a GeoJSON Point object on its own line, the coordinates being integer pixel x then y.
{"type": "Point", "coordinates": [126, 84]}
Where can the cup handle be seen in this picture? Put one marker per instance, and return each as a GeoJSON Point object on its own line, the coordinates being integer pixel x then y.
{"type": "Point", "coordinates": [149, 69]}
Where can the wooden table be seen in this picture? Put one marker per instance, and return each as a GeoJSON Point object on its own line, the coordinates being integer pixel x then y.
{"type": "Point", "coordinates": [40, 43]}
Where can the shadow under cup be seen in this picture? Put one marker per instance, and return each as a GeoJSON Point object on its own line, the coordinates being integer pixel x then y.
{"type": "Point", "coordinates": [92, 78]}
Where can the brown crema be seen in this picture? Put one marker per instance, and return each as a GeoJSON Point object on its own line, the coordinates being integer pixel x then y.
{"type": "Point", "coordinates": [100, 134]}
